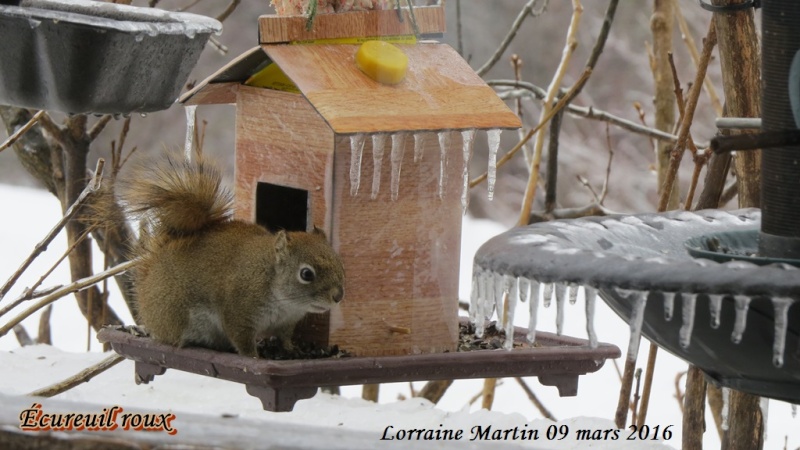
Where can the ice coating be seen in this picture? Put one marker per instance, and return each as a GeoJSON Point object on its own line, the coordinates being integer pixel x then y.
{"type": "Point", "coordinates": [191, 119]}
{"type": "Point", "coordinates": [669, 305]}
{"type": "Point", "coordinates": [685, 333]}
{"type": "Point", "coordinates": [794, 410]}
{"type": "Point", "coordinates": [561, 299]}
{"type": "Point", "coordinates": [511, 292]}
{"type": "Point", "coordinates": [639, 301]}
{"type": "Point", "coordinates": [468, 139]}
{"type": "Point", "coordinates": [419, 145]}
{"type": "Point", "coordinates": [493, 136]}
{"type": "Point", "coordinates": [398, 148]}
{"type": "Point", "coordinates": [742, 303]}
{"type": "Point", "coordinates": [378, 147]}
{"type": "Point", "coordinates": [473, 295]}
{"type": "Point", "coordinates": [444, 144]}
{"type": "Point", "coordinates": [548, 294]}
{"type": "Point", "coordinates": [715, 305]}
{"type": "Point", "coordinates": [763, 404]}
{"type": "Point", "coordinates": [590, 295]}
{"type": "Point", "coordinates": [524, 289]}
{"type": "Point", "coordinates": [781, 305]}
{"type": "Point", "coordinates": [480, 317]}
{"type": "Point", "coordinates": [356, 150]}
{"type": "Point", "coordinates": [534, 310]}
{"type": "Point", "coordinates": [726, 398]}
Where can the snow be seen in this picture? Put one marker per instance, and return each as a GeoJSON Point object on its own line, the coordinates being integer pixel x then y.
{"type": "Point", "coordinates": [315, 422]}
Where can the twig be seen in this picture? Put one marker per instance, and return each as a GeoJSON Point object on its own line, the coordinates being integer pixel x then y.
{"type": "Point", "coordinates": [551, 183]}
{"type": "Point", "coordinates": [558, 107]}
{"type": "Point", "coordinates": [692, 47]}
{"type": "Point", "coordinates": [23, 337]}
{"type": "Point", "coordinates": [433, 391]}
{"type": "Point", "coordinates": [535, 400]}
{"type": "Point", "coordinates": [678, 393]}
{"type": "Point", "coordinates": [552, 91]}
{"type": "Point", "coordinates": [81, 284]}
{"type": "Point", "coordinates": [650, 369]}
{"type": "Point", "coordinates": [489, 385]}
{"type": "Point", "coordinates": [90, 189]}
{"type": "Point", "coordinates": [512, 32]}
{"type": "Point", "coordinates": [592, 209]}
{"type": "Point", "coordinates": [370, 392]}
{"type": "Point", "coordinates": [459, 34]}
{"type": "Point", "coordinates": [729, 193]}
{"type": "Point", "coordinates": [635, 403]}
{"type": "Point", "coordinates": [24, 129]}
{"type": "Point", "coordinates": [81, 377]}
{"type": "Point", "coordinates": [700, 160]}
{"type": "Point", "coordinates": [229, 10]}
{"type": "Point", "coordinates": [688, 116]}
{"type": "Point", "coordinates": [587, 112]}
{"type": "Point", "coordinates": [99, 126]}
{"type": "Point", "coordinates": [643, 119]}
{"type": "Point", "coordinates": [44, 336]}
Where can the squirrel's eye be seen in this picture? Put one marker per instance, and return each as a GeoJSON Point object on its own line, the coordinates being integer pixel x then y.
{"type": "Point", "coordinates": [306, 274]}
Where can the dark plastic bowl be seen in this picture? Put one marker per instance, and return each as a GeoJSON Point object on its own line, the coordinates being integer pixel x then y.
{"type": "Point", "coordinates": [81, 56]}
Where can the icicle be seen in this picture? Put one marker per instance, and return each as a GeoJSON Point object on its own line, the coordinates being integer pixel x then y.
{"type": "Point", "coordinates": [548, 294]}
{"type": "Point", "coordinates": [534, 310]}
{"type": "Point", "coordinates": [794, 411]}
{"type": "Point", "coordinates": [398, 148]}
{"type": "Point", "coordinates": [444, 145]}
{"type": "Point", "coordinates": [483, 292]}
{"type": "Point", "coordinates": [781, 305]}
{"type": "Point", "coordinates": [511, 291]}
{"type": "Point", "coordinates": [561, 299]}
{"type": "Point", "coordinates": [639, 301]}
{"type": "Point", "coordinates": [715, 305]}
{"type": "Point", "coordinates": [742, 305]}
{"type": "Point", "coordinates": [499, 295]}
{"type": "Point", "coordinates": [474, 296]}
{"type": "Point", "coordinates": [669, 305]}
{"type": "Point", "coordinates": [468, 138]}
{"type": "Point", "coordinates": [764, 406]}
{"type": "Point", "coordinates": [524, 289]}
{"type": "Point", "coordinates": [378, 147]}
{"type": "Point", "coordinates": [356, 150]}
{"type": "Point", "coordinates": [573, 293]}
{"type": "Point", "coordinates": [191, 119]}
{"type": "Point", "coordinates": [493, 136]}
{"type": "Point", "coordinates": [419, 145]}
{"type": "Point", "coordinates": [726, 398]}
{"type": "Point", "coordinates": [685, 333]}
{"type": "Point", "coordinates": [590, 295]}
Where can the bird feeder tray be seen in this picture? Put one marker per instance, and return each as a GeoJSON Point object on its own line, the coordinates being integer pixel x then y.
{"type": "Point", "coordinates": [558, 361]}
{"type": "Point", "coordinates": [82, 56]}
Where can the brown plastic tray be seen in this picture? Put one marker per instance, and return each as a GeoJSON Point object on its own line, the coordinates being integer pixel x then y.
{"type": "Point", "coordinates": [557, 361]}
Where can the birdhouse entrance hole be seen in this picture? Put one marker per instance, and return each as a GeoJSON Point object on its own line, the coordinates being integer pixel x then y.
{"type": "Point", "coordinates": [281, 207]}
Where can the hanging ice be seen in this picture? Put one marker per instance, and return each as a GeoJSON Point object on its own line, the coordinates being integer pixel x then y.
{"type": "Point", "coordinates": [685, 333]}
{"type": "Point", "coordinates": [573, 293]}
{"type": "Point", "coordinates": [669, 305]}
{"type": "Point", "coordinates": [764, 405]}
{"type": "Point", "coordinates": [547, 295]}
{"type": "Point", "coordinates": [590, 295]}
{"type": "Point", "coordinates": [473, 295]}
{"type": "Point", "coordinates": [378, 146]}
{"type": "Point", "coordinates": [781, 305]}
{"type": "Point", "coordinates": [444, 144]}
{"type": "Point", "coordinates": [419, 145]}
{"type": "Point", "coordinates": [191, 119]}
{"type": "Point", "coordinates": [468, 139]}
{"type": "Point", "coordinates": [398, 148]}
{"type": "Point", "coordinates": [715, 305]}
{"type": "Point", "coordinates": [524, 289]}
{"type": "Point", "coordinates": [726, 398]}
{"type": "Point", "coordinates": [356, 150]}
{"type": "Point", "coordinates": [511, 291]}
{"type": "Point", "coordinates": [561, 299]}
{"type": "Point", "coordinates": [794, 410]}
{"type": "Point", "coordinates": [534, 310]}
{"type": "Point", "coordinates": [480, 317]}
{"type": "Point", "coordinates": [499, 295]}
{"type": "Point", "coordinates": [493, 136]}
{"type": "Point", "coordinates": [638, 301]}
{"type": "Point", "coordinates": [742, 303]}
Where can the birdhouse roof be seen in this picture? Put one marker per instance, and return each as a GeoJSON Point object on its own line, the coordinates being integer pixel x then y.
{"type": "Point", "coordinates": [440, 91]}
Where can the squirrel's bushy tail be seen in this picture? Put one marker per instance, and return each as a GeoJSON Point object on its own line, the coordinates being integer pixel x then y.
{"type": "Point", "coordinates": [179, 197]}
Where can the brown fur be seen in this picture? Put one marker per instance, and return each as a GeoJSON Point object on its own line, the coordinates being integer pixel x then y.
{"type": "Point", "coordinates": [210, 281]}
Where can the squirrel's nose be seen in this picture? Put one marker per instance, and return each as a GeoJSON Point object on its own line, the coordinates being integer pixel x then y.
{"type": "Point", "coordinates": [338, 294]}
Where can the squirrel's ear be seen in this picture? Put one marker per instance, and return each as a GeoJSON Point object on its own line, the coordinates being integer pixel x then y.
{"type": "Point", "coordinates": [281, 244]}
{"type": "Point", "coordinates": [319, 231]}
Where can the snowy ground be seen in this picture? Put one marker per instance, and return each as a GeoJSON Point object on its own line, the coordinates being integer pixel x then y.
{"type": "Point", "coordinates": [30, 214]}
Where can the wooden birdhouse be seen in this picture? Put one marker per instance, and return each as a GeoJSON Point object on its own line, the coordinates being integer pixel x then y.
{"type": "Point", "coordinates": [380, 168]}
